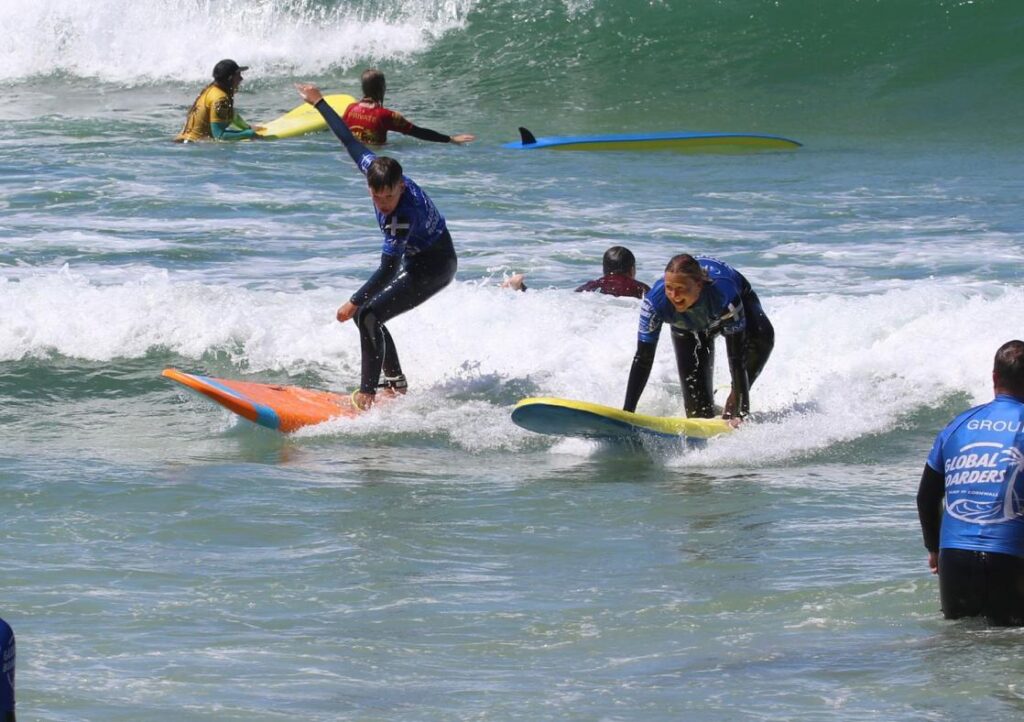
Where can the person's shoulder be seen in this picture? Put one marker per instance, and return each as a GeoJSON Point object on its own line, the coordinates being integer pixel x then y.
{"type": "Point", "coordinates": [215, 93]}
{"type": "Point", "coordinates": [413, 186]}
{"type": "Point", "coordinates": [716, 268]}
{"type": "Point", "coordinates": [618, 284]}
{"type": "Point", "coordinates": [415, 200]}
{"type": "Point", "coordinates": [968, 414]}
{"type": "Point", "coordinates": [397, 121]}
{"type": "Point", "coordinates": [629, 286]}
{"type": "Point", "coordinates": [656, 295]}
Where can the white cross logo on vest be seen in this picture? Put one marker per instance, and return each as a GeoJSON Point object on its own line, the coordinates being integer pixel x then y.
{"type": "Point", "coordinates": [394, 226]}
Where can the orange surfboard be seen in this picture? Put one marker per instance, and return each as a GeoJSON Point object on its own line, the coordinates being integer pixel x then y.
{"type": "Point", "coordinates": [281, 408]}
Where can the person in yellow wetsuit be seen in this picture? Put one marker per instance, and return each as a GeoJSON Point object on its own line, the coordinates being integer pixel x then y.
{"type": "Point", "coordinates": [213, 112]}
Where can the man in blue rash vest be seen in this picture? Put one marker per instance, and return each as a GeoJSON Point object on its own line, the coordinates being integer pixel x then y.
{"type": "Point", "coordinates": [6, 672]}
{"type": "Point", "coordinates": [975, 540]}
{"type": "Point", "coordinates": [700, 298]}
{"type": "Point", "coordinates": [417, 259]}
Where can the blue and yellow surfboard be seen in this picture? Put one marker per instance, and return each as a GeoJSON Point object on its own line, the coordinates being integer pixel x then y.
{"type": "Point", "coordinates": [565, 417]}
{"type": "Point", "coordinates": [683, 141]}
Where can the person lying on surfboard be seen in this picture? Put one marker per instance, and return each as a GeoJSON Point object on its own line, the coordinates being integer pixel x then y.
{"type": "Point", "coordinates": [417, 258]}
{"type": "Point", "coordinates": [700, 298]}
{"type": "Point", "coordinates": [213, 111]}
{"type": "Point", "coordinates": [619, 279]}
{"type": "Point", "coordinates": [370, 121]}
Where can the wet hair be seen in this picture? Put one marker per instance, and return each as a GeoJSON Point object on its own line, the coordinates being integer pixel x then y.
{"type": "Point", "coordinates": [1009, 367]}
{"type": "Point", "coordinates": [687, 265]}
{"type": "Point", "coordinates": [374, 84]}
{"type": "Point", "coordinates": [383, 173]}
{"type": "Point", "coordinates": [618, 259]}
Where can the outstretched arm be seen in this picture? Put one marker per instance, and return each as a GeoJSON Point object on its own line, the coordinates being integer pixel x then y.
{"type": "Point", "coordinates": [362, 155]}
{"type": "Point", "coordinates": [432, 135]}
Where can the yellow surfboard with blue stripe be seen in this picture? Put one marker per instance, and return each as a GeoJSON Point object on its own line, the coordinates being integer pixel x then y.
{"type": "Point", "coordinates": [565, 417]}
{"type": "Point", "coordinates": [683, 141]}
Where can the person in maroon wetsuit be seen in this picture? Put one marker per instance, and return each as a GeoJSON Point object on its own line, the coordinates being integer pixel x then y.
{"type": "Point", "coordinates": [619, 279]}
{"type": "Point", "coordinates": [370, 121]}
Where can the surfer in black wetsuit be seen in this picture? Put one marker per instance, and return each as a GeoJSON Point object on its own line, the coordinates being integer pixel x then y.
{"type": "Point", "coordinates": [417, 258]}
{"type": "Point", "coordinates": [701, 298]}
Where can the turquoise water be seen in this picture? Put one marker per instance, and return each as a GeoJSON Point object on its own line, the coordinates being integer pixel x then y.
{"type": "Point", "coordinates": [430, 560]}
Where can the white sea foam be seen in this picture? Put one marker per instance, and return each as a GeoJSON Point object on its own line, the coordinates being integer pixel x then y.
{"type": "Point", "coordinates": [135, 43]}
{"type": "Point", "coordinates": [843, 366]}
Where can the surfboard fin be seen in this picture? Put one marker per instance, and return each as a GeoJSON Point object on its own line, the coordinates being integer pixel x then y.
{"type": "Point", "coordinates": [527, 136]}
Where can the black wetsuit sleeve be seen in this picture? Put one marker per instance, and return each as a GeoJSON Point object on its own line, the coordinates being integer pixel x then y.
{"type": "Point", "coordinates": [639, 372]}
{"type": "Point", "coordinates": [380, 278]}
{"type": "Point", "coordinates": [735, 346]}
{"type": "Point", "coordinates": [929, 506]}
{"type": "Point", "coordinates": [357, 150]}
{"type": "Point", "coordinates": [428, 134]}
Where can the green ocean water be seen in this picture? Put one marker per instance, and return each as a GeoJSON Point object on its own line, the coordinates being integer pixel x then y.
{"type": "Point", "coordinates": [163, 561]}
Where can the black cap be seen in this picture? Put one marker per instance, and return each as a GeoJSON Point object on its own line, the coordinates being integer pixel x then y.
{"type": "Point", "coordinates": [226, 68]}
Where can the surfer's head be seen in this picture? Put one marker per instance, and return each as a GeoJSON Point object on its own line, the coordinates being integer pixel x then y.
{"type": "Point", "coordinates": [684, 280]}
{"type": "Point", "coordinates": [374, 84]}
{"type": "Point", "coordinates": [1008, 369]}
{"type": "Point", "coordinates": [619, 259]}
{"type": "Point", "coordinates": [228, 74]}
{"type": "Point", "coordinates": [384, 179]}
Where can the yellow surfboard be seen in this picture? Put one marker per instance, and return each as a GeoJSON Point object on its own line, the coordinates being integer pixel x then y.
{"type": "Point", "coordinates": [305, 118]}
{"type": "Point", "coordinates": [565, 417]}
{"type": "Point", "coordinates": [683, 141]}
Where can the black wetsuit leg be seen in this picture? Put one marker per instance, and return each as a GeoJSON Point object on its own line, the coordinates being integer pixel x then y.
{"type": "Point", "coordinates": [424, 274]}
{"type": "Point", "coordinates": [985, 584]}
{"type": "Point", "coordinates": [695, 359]}
{"type": "Point", "coordinates": [759, 337]}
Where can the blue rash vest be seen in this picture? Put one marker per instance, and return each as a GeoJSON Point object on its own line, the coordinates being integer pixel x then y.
{"type": "Point", "coordinates": [6, 668]}
{"type": "Point", "coordinates": [719, 308]}
{"type": "Point", "coordinates": [415, 224]}
{"type": "Point", "coordinates": [980, 455]}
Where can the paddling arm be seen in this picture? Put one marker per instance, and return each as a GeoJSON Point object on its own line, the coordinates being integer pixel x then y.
{"type": "Point", "coordinates": [735, 345]}
{"type": "Point", "coordinates": [639, 372]}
